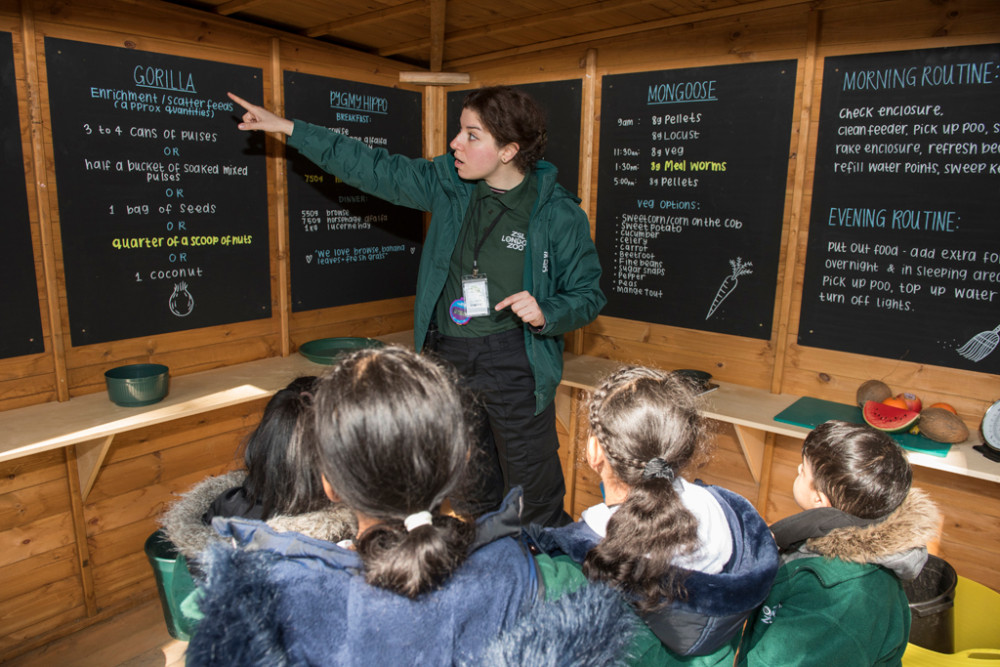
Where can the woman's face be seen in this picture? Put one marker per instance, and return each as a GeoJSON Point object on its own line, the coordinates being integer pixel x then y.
{"type": "Point", "coordinates": [477, 155]}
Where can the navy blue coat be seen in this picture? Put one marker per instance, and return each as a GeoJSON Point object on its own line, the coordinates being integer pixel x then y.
{"type": "Point", "coordinates": [717, 604]}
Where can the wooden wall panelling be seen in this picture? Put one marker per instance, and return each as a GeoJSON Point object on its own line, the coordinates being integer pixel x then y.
{"type": "Point", "coordinates": [848, 28]}
{"type": "Point", "coordinates": [275, 151]}
{"type": "Point", "coordinates": [809, 34]}
{"type": "Point", "coordinates": [363, 319]}
{"type": "Point", "coordinates": [184, 351]}
{"type": "Point", "coordinates": [26, 380]}
{"type": "Point", "coordinates": [40, 587]}
{"type": "Point", "coordinates": [144, 472]}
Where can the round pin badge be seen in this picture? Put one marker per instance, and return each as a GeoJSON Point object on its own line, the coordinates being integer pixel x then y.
{"type": "Point", "coordinates": [457, 312]}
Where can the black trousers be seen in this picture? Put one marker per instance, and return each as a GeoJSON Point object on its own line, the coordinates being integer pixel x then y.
{"type": "Point", "coordinates": [516, 446]}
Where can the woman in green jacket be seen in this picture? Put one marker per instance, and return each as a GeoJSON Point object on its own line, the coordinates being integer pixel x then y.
{"type": "Point", "coordinates": [507, 268]}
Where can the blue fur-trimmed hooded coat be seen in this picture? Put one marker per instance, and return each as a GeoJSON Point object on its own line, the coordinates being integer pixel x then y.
{"type": "Point", "coordinates": [710, 619]}
{"type": "Point", "coordinates": [288, 599]}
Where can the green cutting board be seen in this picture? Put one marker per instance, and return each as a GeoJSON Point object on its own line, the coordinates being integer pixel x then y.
{"type": "Point", "coordinates": [810, 412]}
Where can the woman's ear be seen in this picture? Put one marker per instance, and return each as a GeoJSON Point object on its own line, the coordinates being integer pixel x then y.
{"type": "Point", "coordinates": [508, 152]}
{"type": "Point", "coordinates": [328, 490]}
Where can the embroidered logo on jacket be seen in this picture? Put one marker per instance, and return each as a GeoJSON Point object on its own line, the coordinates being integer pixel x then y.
{"type": "Point", "coordinates": [515, 240]}
{"type": "Point", "coordinates": [768, 614]}
{"type": "Point", "coordinates": [545, 261]}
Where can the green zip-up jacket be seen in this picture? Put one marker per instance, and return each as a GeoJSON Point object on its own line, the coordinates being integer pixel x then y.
{"type": "Point", "coordinates": [561, 269]}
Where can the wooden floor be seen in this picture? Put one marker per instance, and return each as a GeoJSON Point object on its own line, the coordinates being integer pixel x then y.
{"type": "Point", "coordinates": [136, 638]}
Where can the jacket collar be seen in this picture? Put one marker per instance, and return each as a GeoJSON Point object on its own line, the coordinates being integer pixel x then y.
{"type": "Point", "coordinates": [257, 535]}
{"type": "Point", "coordinates": [898, 542]}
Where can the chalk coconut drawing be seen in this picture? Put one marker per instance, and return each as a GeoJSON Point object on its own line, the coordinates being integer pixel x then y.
{"type": "Point", "coordinates": [181, 302]}
{"type": "Point", "coordinates": [981, 345]}
{"type": "Point", "coordinates": [731, 281]}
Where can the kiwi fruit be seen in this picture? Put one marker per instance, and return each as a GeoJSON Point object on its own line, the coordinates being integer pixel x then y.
{"type": "Point", "coordinates": [941, 426]}
{"type": "Point", "coordinates": [873, 390]}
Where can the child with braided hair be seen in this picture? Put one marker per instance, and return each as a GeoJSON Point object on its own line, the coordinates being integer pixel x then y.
{"type": "Point", "coordinates": [693, 560]}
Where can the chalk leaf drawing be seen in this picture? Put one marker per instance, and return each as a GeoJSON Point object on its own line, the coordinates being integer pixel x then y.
{"type": "Point", "coordinates": [728, 285]}
{"type": "Point", "coordinates": [980, 345]}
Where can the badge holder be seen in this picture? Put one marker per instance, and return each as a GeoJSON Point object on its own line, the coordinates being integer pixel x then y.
{"type": "Point", "coordinates": [476, 294]}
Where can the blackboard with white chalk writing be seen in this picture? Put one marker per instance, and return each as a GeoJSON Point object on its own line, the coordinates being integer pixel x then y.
{"type": "Point", "coordinates": [347, 246]}
{"type": "Point", "coordinates": [903, 256]}
{"type": "Point", "coordinates": [561, 102]}
{"type": "Point", "coordinates": [162, 200]}
{"type": "Point", "coordinates": [21, 332]}
{"type": "Point", "coordinates": [691, 193]}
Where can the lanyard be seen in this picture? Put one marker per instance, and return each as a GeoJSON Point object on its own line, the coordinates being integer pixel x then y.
{"type": "Point", "coordinates": [486, 235]}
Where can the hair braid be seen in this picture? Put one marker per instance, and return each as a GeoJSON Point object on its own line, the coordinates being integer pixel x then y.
{"type": "Point", "coordinates": [649, 427]}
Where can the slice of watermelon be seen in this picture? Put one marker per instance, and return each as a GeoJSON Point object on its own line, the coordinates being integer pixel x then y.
{"type": "Point", "coordinates": [888, 418]}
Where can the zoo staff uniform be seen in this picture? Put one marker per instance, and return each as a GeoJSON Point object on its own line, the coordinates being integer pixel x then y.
{"type": "Point", "coordinates": [515, 370]}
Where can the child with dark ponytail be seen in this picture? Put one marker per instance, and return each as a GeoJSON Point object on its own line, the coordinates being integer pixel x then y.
{"type": "Point", "coordinates": [693, 560]}
{"type": "Point", "coordinates": [392, 438]}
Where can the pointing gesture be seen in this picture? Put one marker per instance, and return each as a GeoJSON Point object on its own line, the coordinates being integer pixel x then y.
{"type": "Point", "coordinates": [259, 118]}
{"type": "Point", "coordinates": [525, 307]}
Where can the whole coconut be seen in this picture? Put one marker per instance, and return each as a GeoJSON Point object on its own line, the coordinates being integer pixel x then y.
{"type": "Point", "coordinates": [873, 390]}
{"type": "Point", "coordinates": [942, 426]}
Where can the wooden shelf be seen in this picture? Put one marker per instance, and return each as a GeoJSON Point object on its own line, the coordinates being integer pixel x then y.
{"type": "Point", "coordinates": [751, 413]}
{"type": "Point", "coordinates": [91, 422]}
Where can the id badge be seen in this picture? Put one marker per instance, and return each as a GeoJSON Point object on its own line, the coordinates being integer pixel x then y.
{"type": "Point", "coordinates": [476, 295]}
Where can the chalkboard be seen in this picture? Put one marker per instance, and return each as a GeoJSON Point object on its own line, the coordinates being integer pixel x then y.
{"type": "Point", "coordinates": [21, 332]}
{"type": "Point", "coordinates": [162, 201]}
{"type": "Point", "coordinates": [903, 256]}
{"type": "Point", "coordinates": [691, 189]}
{"type": "Point", "coordinates": [561, 102]}
{"type": "Point", "coordinates": [346, 246]}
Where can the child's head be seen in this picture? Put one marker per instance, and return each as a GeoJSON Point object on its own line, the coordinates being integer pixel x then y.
{"type": "Point", "coordinates": [646, 426]}
{"type": "Point", "coordinates": [280, 476]}
{"type": "Point", "coordinates": [640, 415]}
{"type": "Point", "coordinates": [512, 117]}
{"type": "Point", "coordinates": [854, 468]}
{"type": "Point", "coordinates": [392, 438]}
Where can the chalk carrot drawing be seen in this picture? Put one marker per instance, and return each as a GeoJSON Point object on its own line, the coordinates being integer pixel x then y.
{"type": "Point", "coordinates": [729, 284]}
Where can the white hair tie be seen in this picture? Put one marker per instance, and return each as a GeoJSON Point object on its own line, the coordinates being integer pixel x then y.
{"type": "Point", "coordinates": [418, 519]}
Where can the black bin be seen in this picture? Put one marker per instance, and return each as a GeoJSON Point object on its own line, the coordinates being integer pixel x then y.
{"type": "Point", "coordinates": [932, 606]}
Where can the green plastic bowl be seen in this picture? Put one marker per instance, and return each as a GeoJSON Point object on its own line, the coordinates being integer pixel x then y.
{"type": "Point", "coordinates": [328, 350]}
{"type": "Point", "coordinates": [135, 385]}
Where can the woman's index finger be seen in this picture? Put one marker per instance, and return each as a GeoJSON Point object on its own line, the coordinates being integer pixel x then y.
{"type": "Point", "coordinates": [239, 100]}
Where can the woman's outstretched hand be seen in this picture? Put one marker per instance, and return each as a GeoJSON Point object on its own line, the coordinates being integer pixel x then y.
{"type": "Point", "coordinates": [259, 118]}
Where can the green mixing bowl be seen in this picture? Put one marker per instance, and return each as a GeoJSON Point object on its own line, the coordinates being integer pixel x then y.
{"type": "Point", "coordinates": [328, 350]}
{"type": "Point", "coordinates": [135, 385]}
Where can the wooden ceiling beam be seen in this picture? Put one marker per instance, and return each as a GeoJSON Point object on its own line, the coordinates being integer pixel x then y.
{"type": "Point", "coordinates": [437, 35]}
{"type": "Point", "coordinates": [379, 15]}
{"type": "Point", "coordinates": [533, 21]}
{"type": "Point", "coordinates": [233, 6]}
{"type": "Point", "coordinates": [708, 15]}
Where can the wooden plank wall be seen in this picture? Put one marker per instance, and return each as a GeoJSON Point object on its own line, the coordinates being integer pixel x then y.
{"type": "Point", "coordinates": [807, 33]}
{"type": "Point", "coordinates": [64, 564]}
{"type": "Point", "coordinates": [62, 371]}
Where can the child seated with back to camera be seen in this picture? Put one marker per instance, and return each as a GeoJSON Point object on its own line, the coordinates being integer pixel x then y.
{"type": "Point", "coordinates": [693, 560]}
{"type": "Point", "coordinates": [837, 599]}
{"type": "Point", "coordinates": [276, 484]}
